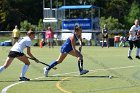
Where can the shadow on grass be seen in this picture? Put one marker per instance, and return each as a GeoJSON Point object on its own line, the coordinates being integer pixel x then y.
{"type": "Point", "coordinates": [35, 80]}
{"type": "Point", "coordinates": [64, 76]}
{"type": "Point", "coordinates": [84, 76]}
{"type": "Point", "coordinates": [45, 80]}
{"type": "Point", "coordinates": [9, 81]}
{"type": "Point", "coordinates": [100, 76]}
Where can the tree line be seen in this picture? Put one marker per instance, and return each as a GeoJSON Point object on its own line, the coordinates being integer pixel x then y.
{"type": "Point", "coordinates": [118, 14]}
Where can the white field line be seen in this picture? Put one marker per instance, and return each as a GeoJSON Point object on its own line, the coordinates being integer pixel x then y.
{"type": "Point", "coordinates": [96, 70]}
{"type": "Point", "coordinates": [4, 90]}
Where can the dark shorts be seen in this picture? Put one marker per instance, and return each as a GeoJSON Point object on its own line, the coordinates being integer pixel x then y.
{"type": "Point", "coordinates": [134, 43]}
{"type": "Point", "coordinates": [13, 54]}
{"type": "Point", "coordinates": [105, 36]}
{"type": "Point", "coordinates": [15, 37]}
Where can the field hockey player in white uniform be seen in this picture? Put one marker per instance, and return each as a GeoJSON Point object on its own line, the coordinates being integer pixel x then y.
{"type": "Point", "coordinates": [17, 52]}
{"type": "Point", "coordinates": [133, 40]}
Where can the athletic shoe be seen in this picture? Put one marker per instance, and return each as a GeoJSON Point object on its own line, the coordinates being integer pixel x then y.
{"type": "Point", "coordinates": [129, 57]}
{"type": "Point", "coordinates": [137, 57]}
{"type": "Point", "coordinates": [84, 72]}
{"type": "Point", "coordinates": [46, 72]}
{"type": "Point", "coordinates": [44, 69]}
{"type": "Point", "coordinates": [24, 79]}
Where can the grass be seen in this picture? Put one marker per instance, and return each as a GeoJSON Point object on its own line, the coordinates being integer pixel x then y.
{"type": "Point", "coordinates": [101, 62]}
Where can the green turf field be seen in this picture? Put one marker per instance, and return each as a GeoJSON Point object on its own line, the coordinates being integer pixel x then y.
{"type": "Point", "coordinates": [102, 62]}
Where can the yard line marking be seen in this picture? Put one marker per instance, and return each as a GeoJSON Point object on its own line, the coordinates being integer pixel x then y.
{"type": "Point", "coordinates": [59, 87]}
{"type": "Point", "coordinates": [4, 90]}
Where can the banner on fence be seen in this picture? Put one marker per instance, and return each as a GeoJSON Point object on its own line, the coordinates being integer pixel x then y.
{"type": "Point", "coordinates": [68, 24]}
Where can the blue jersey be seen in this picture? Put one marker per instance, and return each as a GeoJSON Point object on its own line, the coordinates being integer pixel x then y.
{"type": "Point", "coordinates": [67, 46]}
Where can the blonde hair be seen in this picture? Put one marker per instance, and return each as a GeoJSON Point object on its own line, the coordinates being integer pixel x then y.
{"type": "Point", "coordinates": [29, 33]}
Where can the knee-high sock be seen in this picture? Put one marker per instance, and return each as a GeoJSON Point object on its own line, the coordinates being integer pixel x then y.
{"type": "Point", "coordinates": [138, 54]}
{"type": "Point", "coordinates": [80, 65]}
{"type": "Point", "coordinates": [129, 52]}
{"type": "Point", "coordinates": [2, 68]}
{"type": "Point", "coordinates": [54, 63]}
{"type": "Point", "coordinates": [24, 70]}
{"type": "Point", "coordinates": [137, 51]}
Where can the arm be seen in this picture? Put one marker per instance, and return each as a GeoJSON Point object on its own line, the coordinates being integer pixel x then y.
{"type": "Point", "coordinates": [138, 33]}
{"type": "Point", "coordinates": [12, 33]}
{"type": "Point", "coordinates": [102, 32]}
{"type": "Point", "coordinates": [130, 33]}
{"type": "Point", "coordinates": [73, 43]}
{"type": "Point", "coordinates": [80, 41]}
{"type": "Point", "coordinates": [29, 53]}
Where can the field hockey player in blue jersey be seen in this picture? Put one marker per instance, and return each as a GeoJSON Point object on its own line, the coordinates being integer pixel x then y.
{"type": "Point", "coordinates": [69, 47]}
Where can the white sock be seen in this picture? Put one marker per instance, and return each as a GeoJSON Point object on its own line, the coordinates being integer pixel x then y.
{"type": "Point", "coordinates": [2, 68]}
{"type": "Point", "coordinates": [137, 52]}
{"type": "Point", "coordinates": [129, 52]}
{"type": "Point", "coordinates": [25, 68]}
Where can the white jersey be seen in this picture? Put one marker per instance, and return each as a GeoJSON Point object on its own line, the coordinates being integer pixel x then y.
{"type": "Point", "coordinates": [21, 44]}
{"type": "Point", "coordinates": [133, 31]}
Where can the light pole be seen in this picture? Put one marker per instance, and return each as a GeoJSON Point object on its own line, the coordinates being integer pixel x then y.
{"type": "Point", "coordinates": [43, 13]}
{"type": "Point", "coordinates": [51, 8]}
{"type": "Point", "coordinates": [64, 10]}
{"type": "Point", "coordinates": [64, 3]}
{"type": "Point", "coordinates": [51, 12]}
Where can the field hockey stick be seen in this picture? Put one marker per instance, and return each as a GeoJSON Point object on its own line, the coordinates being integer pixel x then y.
{"type": "Point", "coordinates": [37, 61]}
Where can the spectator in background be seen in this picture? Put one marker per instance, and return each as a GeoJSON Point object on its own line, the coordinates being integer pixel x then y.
{"type": "Point", "coordinates": [15, 35]}
{"type": "Point", "coordinates": [116, 41]}
{"type": "Point", "coordinates": [105, 36]}
{"type": "Point", "coordinates": [43, 34]}
{"type": "Point", "coordinates": [49, 37]}
{"type": "Point", "coordinates": [122, 41]}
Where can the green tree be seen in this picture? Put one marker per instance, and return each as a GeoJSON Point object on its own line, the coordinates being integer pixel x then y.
{"type": "Point", "coordinates": [40, 25]}
{"type": "Point", "coordinates": [25, 26]}
{"type": "Point", "coordinates": [116, 8]}
{"type": "Point", "coordinates": [111, 22]}
{"type": "Point", "coordinates": [132, 15]}
{"type": "Point", "coordinates": [3, 13]}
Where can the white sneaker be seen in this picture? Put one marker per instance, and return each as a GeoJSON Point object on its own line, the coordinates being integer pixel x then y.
{"type": "Point", "coordinates": [84, 72]}
{"type": "Point", "coordinates": [46, 71]}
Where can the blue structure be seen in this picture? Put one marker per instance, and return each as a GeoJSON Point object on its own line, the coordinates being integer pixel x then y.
{"type": "Point", "coordinates": [88, 23]}
{"type": "Point", "coordinates": [87, 16]}
{"type": "Point", "coordinates": [77, 7]}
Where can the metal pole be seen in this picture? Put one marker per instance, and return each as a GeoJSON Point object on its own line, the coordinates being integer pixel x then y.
{"type": "Point", "coordinates": [64, 10]}
{"type": "Point", "coordinates": [51, 7]}
{"type": "Point", "coordinates": [64, 3]}
{"type": "Point", "coordinates": [43, 13]}
{"type": "Point", "coordinates": [51, 12]}
{"type": "Point", "coordinates": [57, 15]}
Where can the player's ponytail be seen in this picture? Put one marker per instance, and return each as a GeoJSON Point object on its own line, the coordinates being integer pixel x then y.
{"type": "Point", "coordinates": [29, 33]}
